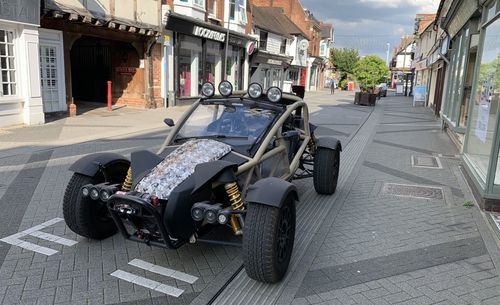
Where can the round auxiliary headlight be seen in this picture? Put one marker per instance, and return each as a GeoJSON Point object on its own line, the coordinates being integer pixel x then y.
{"type": "Point", "coordinates": [211, 216]}
{"type": "Point", "coordinates": [104, 195]}
{"type": "Point", "coordinates": [197, 214]}
{"type": "Point", "coordinates": [255, 90]}
{"type": "Point", "coordinates": [225, 88]}
{"type": "Point", "coordinates": [85, 191]}
{"type": "Point", "coordinates": [222, 219]}
{"type": "Point", "coordinates": [208, 89]}
{"type": "Point", "coordinates": [94, 193]}
{"type": "Point", "coordinates": [274, 94]}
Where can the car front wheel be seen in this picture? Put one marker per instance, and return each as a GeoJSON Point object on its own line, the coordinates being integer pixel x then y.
{"type": "Point", "coordinates": [326, 170]}
{"type": "Point", "coordinates": [268, 239]}
{"type": "Point", "coordinates": [84, 216]}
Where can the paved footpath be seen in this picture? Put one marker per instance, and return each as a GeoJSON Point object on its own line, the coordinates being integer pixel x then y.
{"type": "Point", "coordinates": [395, 232]}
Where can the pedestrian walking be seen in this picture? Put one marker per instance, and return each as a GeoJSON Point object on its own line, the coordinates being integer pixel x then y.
{"type": "Point", "coordinates": [332, 86]}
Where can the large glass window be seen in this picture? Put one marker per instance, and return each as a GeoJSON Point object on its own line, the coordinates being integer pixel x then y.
{"type": "Point", "coordinates": [234, 67]}
{"type": "Point", "coordinates": [213, 62]}
{"type": "Point", "coordinates": [189, 65]}
{"type": "Point", "coordinates": [7, 63]}
{"type": "Point", "coordinates": [482, 129]}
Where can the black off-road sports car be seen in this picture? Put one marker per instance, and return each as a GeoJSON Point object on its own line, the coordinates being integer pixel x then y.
{"type": "Point", "coordinates": [226, 166]}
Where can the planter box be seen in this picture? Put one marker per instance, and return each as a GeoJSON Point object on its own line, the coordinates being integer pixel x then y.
{"type": "Point", "coordinates": [357, 96]}
{"type": "Point", "coordinates": [365, 98]}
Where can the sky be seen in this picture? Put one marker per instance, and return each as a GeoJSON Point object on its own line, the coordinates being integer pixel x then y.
{"type": "Point", "coordinates": [368, 25]}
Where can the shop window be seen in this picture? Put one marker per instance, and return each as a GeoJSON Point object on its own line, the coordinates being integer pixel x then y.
{"type": "Point", "coordinates": [213, 62]}
{"type": "Point", "coordinates": [190, 55]}
{"type": "Point", "coordinates": [263, 40]}
{"type": "Point", "coordinates": [7, 63]}
{"type": "Point", "coordinates": [233, 66]}
{"type": "Point", "coordinates": [486, 99]}
{"type": "Point", "coordinates": [200, 3]}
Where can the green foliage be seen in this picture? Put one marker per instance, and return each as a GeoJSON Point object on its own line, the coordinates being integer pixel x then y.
{"type": "Point", "coordinates": [370, 71]}
{"type": "Point", "coordinates": [344, 60]}
{"type": "Point", "coordinates": [343, 83]}
{"type": "Point", "coordinates": [468, 204]}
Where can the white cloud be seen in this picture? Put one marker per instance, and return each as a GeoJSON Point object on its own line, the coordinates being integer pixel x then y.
{"type": "Point", "coordinates": [422, 5]}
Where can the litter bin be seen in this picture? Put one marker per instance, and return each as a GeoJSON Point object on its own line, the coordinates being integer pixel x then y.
{"type": "Point", "coordinates": [300, 91]}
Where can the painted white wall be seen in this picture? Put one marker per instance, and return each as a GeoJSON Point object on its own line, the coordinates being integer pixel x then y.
{"type": "Point", "coordinates": [403, 61]}
{"type": "Point", "coordinates": [273, 43]}
{"type": "Point", "coordinates": [147, 10]}
{"type": "Point", "coordinates": [29, 76]}
{"type": "Point", "coordinates": [190, 8]}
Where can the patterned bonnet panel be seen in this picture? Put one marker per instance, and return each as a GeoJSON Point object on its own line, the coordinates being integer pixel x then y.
{"type": "Point", "coordinates": [179, 165]}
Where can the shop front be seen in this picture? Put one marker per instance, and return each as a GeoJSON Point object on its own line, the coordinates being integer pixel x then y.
{"type": "Point", "coordinates": [205, 53]}
{"type": "Point", "coordinates": [269, 69]}
{"type": "Point", "coordinates": [482, 140]}
{"type": "Point", "coordinates": [20, 93]}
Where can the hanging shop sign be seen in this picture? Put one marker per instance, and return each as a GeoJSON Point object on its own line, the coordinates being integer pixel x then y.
{"type": "Point", "coordinates": [208, 33]}
{"type": "Point", "coordinates": [21, 11]}
{"type": "Point", "coordinates": [251, 46]}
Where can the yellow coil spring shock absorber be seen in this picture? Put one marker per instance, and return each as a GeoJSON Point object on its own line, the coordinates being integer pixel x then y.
{"type": "Point", "coordinates": [127, 184]}
{"type": "Point", "coordinates": [233, 192]}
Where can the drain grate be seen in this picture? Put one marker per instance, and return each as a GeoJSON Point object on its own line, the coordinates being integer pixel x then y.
{"type": "Point", "coordinates": [414, 191]}
{"type": "Point", "coordinates": [425, 162]}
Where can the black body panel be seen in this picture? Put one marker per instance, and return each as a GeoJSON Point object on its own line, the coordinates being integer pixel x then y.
{"type": "Point", "coordinates": [329, 142]}
{"type": "Point", "coordinates": [209, 171]}
{"type": "Point", "coordinates": [90, 165]}
{"type": "Point", "coordinates": [177, 214]}
{"type": "Point", "coordinates": [142, 162]}
{"type": "Point", "coordinates": [270, 191]}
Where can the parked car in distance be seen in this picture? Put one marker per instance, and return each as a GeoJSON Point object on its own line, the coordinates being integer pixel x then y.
{"type": "Point", "coordinates": [382, 89]}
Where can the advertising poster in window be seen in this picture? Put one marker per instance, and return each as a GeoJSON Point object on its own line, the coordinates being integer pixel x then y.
{"type": "Point", "coordinates": [483, 113]}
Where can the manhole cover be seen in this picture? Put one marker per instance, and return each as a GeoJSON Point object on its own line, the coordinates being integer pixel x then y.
{"type": "Point", "coordinates": [415, 191]}
{"type": "Point", "coordinates": [426, 162]}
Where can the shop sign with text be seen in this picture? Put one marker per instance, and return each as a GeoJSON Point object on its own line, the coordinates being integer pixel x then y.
{"type": "Point", "coordinates": [21, 11]}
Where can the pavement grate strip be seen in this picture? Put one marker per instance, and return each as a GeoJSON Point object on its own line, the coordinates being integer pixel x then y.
{"type": "Point", "coordinates": [413, 191]}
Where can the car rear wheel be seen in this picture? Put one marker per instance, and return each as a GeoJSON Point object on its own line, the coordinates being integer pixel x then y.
{"type": "Point", "coordinates": [268, 239]}
{"type": "Point", "coordinates": [326, 170]}
{"type": "Point", "coordinates": [84, 216]}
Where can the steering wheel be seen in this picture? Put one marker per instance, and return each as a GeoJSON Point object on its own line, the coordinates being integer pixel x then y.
{"type": "Point", "coordinates": [233, 124]}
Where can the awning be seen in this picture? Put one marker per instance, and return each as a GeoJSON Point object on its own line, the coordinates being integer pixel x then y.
{"type": "Point", "coordinates": [419, 64]}
{"type": "Point", "coordinates": [263, 57]}
{"type": "Point", "coordinates": [74, 11]}
{"type": "Point", "coordinates": [196, 27]}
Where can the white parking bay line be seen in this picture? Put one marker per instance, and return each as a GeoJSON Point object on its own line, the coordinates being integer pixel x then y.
{"type": "Point", "coordinates": [54, 238]}
{"type": "Point", "coordinates": [147, 283]}
{"type": "Point", "coordinates": [15, 240]}
{"type": "Point", "coordinates": [163, 271]}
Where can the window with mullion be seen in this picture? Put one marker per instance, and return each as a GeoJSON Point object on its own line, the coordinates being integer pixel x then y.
{"type": "Point", "coordinates": [7, 63]}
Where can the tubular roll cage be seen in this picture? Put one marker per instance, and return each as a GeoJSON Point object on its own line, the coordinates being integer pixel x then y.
{"type": "Point", "coordinates": [253, 163]}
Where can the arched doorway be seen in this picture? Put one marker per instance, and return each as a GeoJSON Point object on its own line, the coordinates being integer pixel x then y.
{"type": "Point", "coordinates": [90, 69]}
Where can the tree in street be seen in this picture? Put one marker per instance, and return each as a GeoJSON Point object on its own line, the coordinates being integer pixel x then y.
{"type": "Point", "coordinates": [344, 60]}
{"type": "Point", "coordinates": [370, 71]}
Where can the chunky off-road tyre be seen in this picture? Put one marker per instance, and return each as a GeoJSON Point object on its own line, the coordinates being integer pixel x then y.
{"type": "Point", "coordinates": [268, 238]}
{"type": "Point", "coordinates": [85, 216]}
{"type": "Point", "coordinates": [326, 170]}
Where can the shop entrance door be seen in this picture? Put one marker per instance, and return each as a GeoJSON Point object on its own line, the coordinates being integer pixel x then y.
{"type": "Point", "coordinates": [303, 76]}
{"type": "Point", "coordinates": [438, 95]}
{"type": "Point", "coordinates": [52, 82]}
{"type": "Point", "coordinates": [90, 69]}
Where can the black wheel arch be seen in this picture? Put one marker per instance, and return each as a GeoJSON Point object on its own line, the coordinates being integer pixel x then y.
{"type": "Point", "coordinates": [93, 164]}
{"type": "Point", "coordinates": [329, 143]}
{"type": "Point", "coordinates": [271, 191]}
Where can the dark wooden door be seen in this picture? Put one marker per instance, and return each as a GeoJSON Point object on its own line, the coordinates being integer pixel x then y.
{"type": "Point", "coordinates": [438, 93]}
{"type": "Point", "coordinates": [90, 69]}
